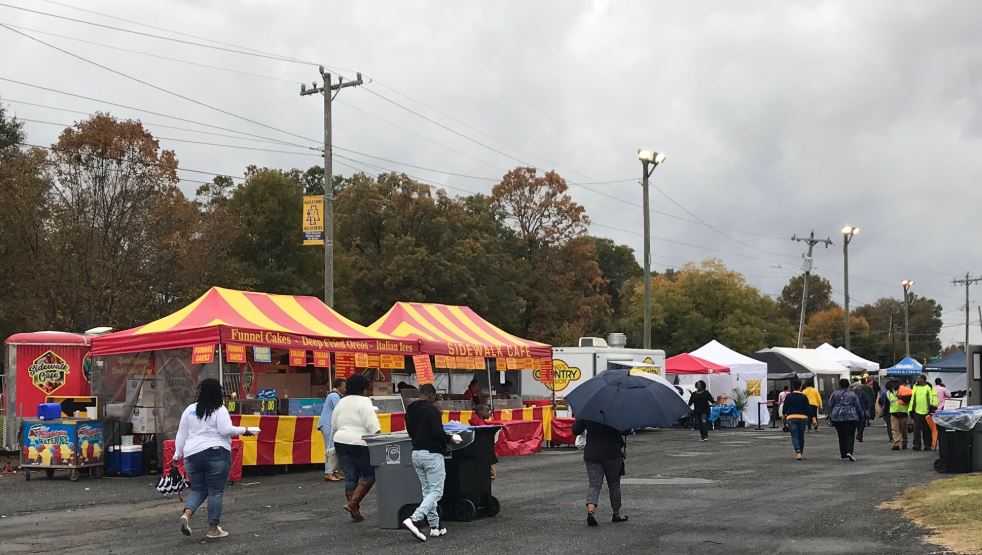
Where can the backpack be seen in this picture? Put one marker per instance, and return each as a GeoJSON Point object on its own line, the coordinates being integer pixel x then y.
{"type": "Point", "coordinates": [904, 394]}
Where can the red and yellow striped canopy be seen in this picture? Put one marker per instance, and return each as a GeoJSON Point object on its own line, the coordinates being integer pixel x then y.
{"type": "Point", "coordinates": [454, 330]}
{"type": "Point", "coordinates": [244, 317]}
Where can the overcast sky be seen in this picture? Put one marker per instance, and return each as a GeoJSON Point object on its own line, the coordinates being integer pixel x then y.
{"type": "Point", "coordinates": [777, 117]}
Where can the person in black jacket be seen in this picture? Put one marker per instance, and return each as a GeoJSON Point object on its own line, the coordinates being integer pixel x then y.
{"type": "Point", "coordinates": [700, 401]}
{"type": "Point", "coordinates": [425, 428]}
{"type": "Point", "coordinates": [604, 457]}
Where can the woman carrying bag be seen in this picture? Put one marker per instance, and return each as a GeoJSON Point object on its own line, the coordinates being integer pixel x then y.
{"type": "Point", "coordinates": [847, 414]}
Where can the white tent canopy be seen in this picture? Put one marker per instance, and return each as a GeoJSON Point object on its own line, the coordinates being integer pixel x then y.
{"type": "Point", "coordinates": [748, 373]}
{"type": "Point", "coordinates": [848, 359]}
{"type": "Point", "coordinates": [813, 360]}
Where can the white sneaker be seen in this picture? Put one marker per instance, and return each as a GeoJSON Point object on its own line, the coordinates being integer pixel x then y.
{"type": "Point", "coordinates": [437, 532]}
{"type": "Point", "coordinates": [219, 532]}
{"type": "Point", "coordinates": [408, 524]}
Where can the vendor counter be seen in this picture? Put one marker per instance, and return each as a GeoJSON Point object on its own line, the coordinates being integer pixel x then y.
{"type": "Point", "coordinates": [287, 440]}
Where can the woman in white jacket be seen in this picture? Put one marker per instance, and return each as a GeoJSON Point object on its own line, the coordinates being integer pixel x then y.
{"type": "Point", "coordinates": [204, 442]}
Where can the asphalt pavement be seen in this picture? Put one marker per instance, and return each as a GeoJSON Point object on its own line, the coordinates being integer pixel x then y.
{"type": "Point", "coordinates": [739, 492]}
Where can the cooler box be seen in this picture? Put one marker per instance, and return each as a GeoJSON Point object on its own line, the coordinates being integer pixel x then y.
{"type": "Point", "coordinates": [131, 460]}
{"type": "Point", "coordinates": [49, 411]}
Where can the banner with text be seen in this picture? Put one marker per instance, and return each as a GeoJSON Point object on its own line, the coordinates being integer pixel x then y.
{"type": "Point", "coordinates": [313, 220]}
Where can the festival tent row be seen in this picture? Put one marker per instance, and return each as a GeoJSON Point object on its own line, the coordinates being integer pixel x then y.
{"type": "Point", "coordinates": [847, 358]}
{"type": "Point", "coordinates": [748, 375]}
{"type": "Point", "coordinates": [951, 369]}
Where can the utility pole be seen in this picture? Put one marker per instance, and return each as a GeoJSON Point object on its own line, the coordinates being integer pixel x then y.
{"type": "Point", "coordinates": [968, 281]}
{"type": "Point", "coordinates": [649, 161]}
{"type": "Point", "coordinates": [811, 241]}
{"type": "Point", "coordinates": [326, 89]}
{"type": "Point", "coordinates": [980, 315]}
{"type": "Point", "coordinates": [893, 345]}
{"type": "Point", "coordinates": [848, 232]}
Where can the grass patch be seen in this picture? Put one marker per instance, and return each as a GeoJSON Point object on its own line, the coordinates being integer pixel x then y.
{"type": "Point", "coordinates": [950, 508]}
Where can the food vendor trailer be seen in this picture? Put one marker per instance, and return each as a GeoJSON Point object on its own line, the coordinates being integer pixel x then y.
{"type": "Point", "coordinates": [572, 366]}
{"type": "Point", "coordinates": [40, 364]}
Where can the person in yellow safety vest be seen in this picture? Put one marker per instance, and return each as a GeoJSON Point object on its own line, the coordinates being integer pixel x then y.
{"type": "Point", "coordinates": [899, 409]}
{"type": "Point", "coordinates": [923, 401]}
{"type": "Point", "coordinates": [815, 400]}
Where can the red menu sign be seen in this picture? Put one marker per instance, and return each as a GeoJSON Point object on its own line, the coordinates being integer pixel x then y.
{"type": "Point", "coordinates": [203, 354]}
{"type": "Point", "coordinates": [298, 357]}
{"type": "Point", "coordinates": [322, 359]}
{"type": "Point", "coordinates": [424, 372]}
{"type": "Point", "coordinates": [235, 353]}
{"type": "Point", "coordinates": [344, 365]}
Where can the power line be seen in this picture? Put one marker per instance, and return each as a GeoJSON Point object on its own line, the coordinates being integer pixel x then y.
{"type": "Point", "coordinates": [152, 85]}
{"type": "Point", "coordinates": [154, 55]}
{"type": "Point", "coordinates": [277, 58]}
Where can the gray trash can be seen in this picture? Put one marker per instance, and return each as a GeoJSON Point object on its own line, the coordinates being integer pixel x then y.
{"type": "Point", "coordinates": [396, 484]}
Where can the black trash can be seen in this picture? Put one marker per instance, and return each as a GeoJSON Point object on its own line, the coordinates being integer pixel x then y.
{"type": "Point", "coordinates": [467, 488]}
{"type": "Point", "coordinates": [954, 451]}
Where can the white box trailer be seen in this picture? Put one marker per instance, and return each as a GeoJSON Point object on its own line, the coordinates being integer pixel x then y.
{"type": "Point", "coordinates": [574, 365]}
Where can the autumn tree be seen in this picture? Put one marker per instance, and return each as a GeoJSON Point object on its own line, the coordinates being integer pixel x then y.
{"type": "Point", "coordinates": [708, 301]}
{"type": "Point", "coordinates": [819, 296]}
{"type": "Point", "coordinates": [885, 343]}
{"type": "Point", "coordinates": [826, 326]}
{"type": "Point", "coordinates": [547, 222]}
{"type": "Point", "coordinates": [23, 217]}
{"type": "Point", "coordinates": [618, 265]}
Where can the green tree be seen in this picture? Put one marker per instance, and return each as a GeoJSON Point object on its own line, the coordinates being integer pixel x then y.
{"type": "Point", "coordinates": [819, 296]}
{"type": "Point", "coordinates": [885, 343]}
{"type": "Point", "coordinates": [617, 265]}
{"type": "Point", "coordinates": [708, 301]}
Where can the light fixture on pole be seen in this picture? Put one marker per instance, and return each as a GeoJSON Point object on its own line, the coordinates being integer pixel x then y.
{"type": "Point", "coordinates": [908, 296]}
{"type": "Point", "coordinates": [848, 232]}
{"type": "Point", "coordinates": [649, 161]}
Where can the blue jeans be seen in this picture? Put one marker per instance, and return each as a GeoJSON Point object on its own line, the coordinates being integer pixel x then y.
{"type": "Point", "coordinates": [432, 472]}
{"type": "Point", "coordinates": [797, 428]}
{"type": "Point", "coordinates": [208, 471]}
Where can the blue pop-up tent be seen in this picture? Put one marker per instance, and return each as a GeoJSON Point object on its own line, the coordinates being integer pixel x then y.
{"type": "Point", "coordinates": [906, 367]}
{"type": "Point", "coordinates": [951, 370]}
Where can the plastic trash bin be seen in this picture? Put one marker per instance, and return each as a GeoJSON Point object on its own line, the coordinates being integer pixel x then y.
{"type": "Point", "coordinates": [396, 484]}
{"type": "Point", "coordinates": [467, 489]}
{"type": "Point", "coordinates": [956, 452]}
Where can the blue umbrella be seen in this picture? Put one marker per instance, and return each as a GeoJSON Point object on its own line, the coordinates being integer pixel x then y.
{"type": "Point", "coordinates": [624, 402]}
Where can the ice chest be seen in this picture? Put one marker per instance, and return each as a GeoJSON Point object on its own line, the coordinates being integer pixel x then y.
{"type": "Point", "coordinates": [130, 460]}
{"type": "Point", "coordinates": [49, 411]}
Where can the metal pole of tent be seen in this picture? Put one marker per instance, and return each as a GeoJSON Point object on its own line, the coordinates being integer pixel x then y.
{"type": "Point", "coordinates": [221, 368]}
{"type": "Point", "coordinates": [487, 366]}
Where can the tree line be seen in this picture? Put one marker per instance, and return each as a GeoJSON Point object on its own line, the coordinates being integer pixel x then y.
{"type": "Point", "coordinates": [94, 230]}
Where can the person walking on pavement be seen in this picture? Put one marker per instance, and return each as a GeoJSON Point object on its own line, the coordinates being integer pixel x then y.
{"type": "Point", "coordinates": [846, 413]}
{"type": "Point", "coordinates": [898, 403]}
{"type": "Point", "coordinates": [780, 404]}
{"type": "Point", "coordinates": [923, 402]}
{"type": "Point", "coordinates": [941, 391]}
{"type": "Point", "coordinates": [815, 400]}
{"type": "Point", "coordinates": [700, 401]}
{"type": "Point", "coordinates": [354, 417]}
{"type": "Point", "coordinates": [858, 388]}
{"type": "Point", "coordinates": [425, 428]}
{"type": "Point", "coordinates": [604, 456]}
{"type": "Point", "coordinates": [331, 473]}
{"type": "Point", "coordinates": [797, 413]}
{"type": "Point", "coordinates": [204, 442]}
{"type": "Point", "coordinates": [883, 406]}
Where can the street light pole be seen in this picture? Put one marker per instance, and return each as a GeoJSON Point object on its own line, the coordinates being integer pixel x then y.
{"type": "Point", "coordinates": [649, 161]}
{"type": "Point", "coordinates": [848, 232]}
{"type": "Point", "coordinates": [907, 284]}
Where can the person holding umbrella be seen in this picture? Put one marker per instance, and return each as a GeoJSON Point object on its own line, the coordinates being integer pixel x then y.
{"type": "Point", "coordinates": [609, 405]}
{"type": "Point", "coordinates": [604, 456]}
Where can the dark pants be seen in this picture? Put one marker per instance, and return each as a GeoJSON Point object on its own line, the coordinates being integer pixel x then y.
{"type": "Point", "coordinates": [860, 427]}
{"type": "Point", "coordinates": [610, 469]}
{"type": "Point", "coordinates": [702, 424]}
{"type": "Point", "coordinates": [355, 463]}
{"type": "Point", "coordinates": [922, 432]}
{"type": "Point", "coordinates": [886, 420]}
{"type": "Point", "coordinates": [847, 437]}
{"type": "Point", "coordinates": [797, 428]}
{"type": "Point", "coordinates": [208, 471]}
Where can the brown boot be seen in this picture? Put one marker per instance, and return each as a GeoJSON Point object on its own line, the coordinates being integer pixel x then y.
{"type": "Point", "coordinates": [354, 504]}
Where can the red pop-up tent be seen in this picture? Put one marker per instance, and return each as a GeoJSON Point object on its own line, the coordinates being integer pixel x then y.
{"type": "Point", "coordinates": [688, 364]}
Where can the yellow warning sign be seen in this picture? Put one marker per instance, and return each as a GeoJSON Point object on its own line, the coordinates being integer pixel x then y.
{"type": "Point", "coordinates": [313, 220]}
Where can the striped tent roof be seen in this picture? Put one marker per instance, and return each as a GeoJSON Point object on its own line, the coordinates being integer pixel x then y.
{"type": "Point", "coordinates": [454, 330]}
{"type": "Point", "coordinates": [230, 316]}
